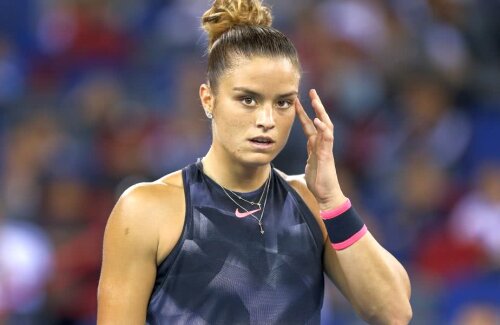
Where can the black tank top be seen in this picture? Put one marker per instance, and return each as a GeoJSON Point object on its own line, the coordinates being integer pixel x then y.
{"type": "Point", "coordinates": [224, 271]}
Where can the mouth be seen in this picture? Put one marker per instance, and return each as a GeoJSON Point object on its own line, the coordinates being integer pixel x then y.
{"type": "Point", "coordinates": [262, 140]}
{"type": "Point", "coordinates": [262, 143]}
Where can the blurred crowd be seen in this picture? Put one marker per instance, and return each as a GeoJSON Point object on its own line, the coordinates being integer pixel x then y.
{"type": "Point", "coordinates": [97, 95]}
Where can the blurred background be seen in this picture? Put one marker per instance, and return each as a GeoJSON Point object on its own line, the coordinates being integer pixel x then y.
{"type": "Point", "coordinates": [96, 95]}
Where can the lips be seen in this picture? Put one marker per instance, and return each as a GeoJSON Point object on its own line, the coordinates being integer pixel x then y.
{"type": "Point", "coordinates": [262, 140]}
{"type": "Point", "coordinates": [262, 143]}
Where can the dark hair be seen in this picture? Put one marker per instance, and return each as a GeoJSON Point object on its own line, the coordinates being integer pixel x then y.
{"type": "Point", "coordinates": [242, 28]}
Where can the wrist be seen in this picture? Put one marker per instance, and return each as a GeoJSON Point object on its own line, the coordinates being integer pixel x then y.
{"type": "Point", "coordinates": [332, 203]}
{"type": "Point", "coordinates": [332, 213]}
{"type": "Point", "coordinates": [343, 224]}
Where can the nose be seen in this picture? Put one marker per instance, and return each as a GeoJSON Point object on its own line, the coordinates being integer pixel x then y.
{"type": "Point", "coordinates": [265, 118]}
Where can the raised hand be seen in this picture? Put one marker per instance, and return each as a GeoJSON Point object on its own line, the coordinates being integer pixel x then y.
{"type": "Point", "coordinates": [320, 172]}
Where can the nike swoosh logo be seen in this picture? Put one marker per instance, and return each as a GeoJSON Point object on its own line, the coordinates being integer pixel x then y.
{"type": "Point", "coordinates": [244, 214]}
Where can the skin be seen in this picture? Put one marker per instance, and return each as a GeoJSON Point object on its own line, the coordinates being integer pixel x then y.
{"type": "Point", "coordinates": [256, 97]}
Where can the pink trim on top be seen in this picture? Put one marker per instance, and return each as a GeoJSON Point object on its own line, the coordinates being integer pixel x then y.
{"type": "Point", "coordinates": [354, 238]}
{"type": "Point", "coordinates": [330, 214]}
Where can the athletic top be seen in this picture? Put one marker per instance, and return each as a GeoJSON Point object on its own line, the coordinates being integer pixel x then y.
{"type": "Point", "coordinates": [224, 271]}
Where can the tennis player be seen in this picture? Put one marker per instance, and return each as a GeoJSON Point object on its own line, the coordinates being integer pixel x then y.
{"type": "Point", "coordinates": [229, 239]}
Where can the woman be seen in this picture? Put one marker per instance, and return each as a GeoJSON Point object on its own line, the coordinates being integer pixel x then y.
{"type": "Point", "coordinates": [229, 239]}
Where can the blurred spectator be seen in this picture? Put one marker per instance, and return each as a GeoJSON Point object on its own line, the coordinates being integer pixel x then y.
{"type": "Point", "coordinates": [72, 218]}
{"type": "Point", "coordinates": [83, 32]}
{"type": "Point", "coordinates": [476, 218]}
{"type": "Point", "coordinates": [427, 123]}
{"type": "Point", "coordinates": [30, 146]}
{"type": "Point", "coordinates": [473, 300]}
{"type": "Point", "coordinates": [25, 266]}
{"type": "Point", "coordinates": [421, 192]}
{"type": "Point", "coordinates": [478, 314]}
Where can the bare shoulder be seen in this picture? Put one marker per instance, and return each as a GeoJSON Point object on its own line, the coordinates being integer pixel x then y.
{"type": "Point", "coordinates": [144, 201]}
{"type": "Point", "coordinates": [143, 227]}
{"type": "Point", "coordinates": [154, 211]}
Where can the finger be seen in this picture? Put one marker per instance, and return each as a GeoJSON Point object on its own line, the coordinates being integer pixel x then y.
{"type": "Point", "coordinates": [324, 131]}
{"type": "Point", "coordinates": [318, 107]}
{"type": "Point", "coordinates": [305, 121]}
{"type": "Point", "coordinates": [324, 142]}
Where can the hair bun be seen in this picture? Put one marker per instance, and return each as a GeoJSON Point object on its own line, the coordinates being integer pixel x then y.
{"type": "Point", "coordinates": [225, 14]}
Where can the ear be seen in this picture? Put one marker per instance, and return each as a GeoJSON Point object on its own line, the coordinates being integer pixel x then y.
{"type": "Point", "coordinates": [207, 99]}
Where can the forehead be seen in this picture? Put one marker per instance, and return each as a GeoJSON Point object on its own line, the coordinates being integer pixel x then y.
{"type": "Point", "coordinates": [264, 74]}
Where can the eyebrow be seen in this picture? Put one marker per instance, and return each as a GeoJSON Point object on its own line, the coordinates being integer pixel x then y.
{"type": "Point", "coordinates": [256, 94]}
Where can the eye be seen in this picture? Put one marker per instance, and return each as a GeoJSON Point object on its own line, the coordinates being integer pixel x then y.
{"type": "Point", "coordinates": [248, 101]}
{"type": "Point", "coordinates": [284, 103]}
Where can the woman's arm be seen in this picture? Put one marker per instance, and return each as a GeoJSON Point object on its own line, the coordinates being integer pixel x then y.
{"type": "Point", "coordinates": [372, 279]}
{"type": "Point", "coordinates": [135, 231]}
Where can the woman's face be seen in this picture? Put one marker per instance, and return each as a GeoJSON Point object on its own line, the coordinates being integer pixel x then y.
{"type": "Point", "coordinates": [253, 109]}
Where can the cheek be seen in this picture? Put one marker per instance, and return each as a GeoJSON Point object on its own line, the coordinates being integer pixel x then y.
{"type": "Point", "coordinates": [233, 132]}
{"type": "Point", "coordinates": [286, 122]}
{"type": "Point", "coordinates": [236, 123]}
{"type": "Point", "coordinates": [231, 126]}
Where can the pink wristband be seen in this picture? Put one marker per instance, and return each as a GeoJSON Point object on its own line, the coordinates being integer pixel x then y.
{"type": "Point", "coordinates": [346, 243]}
{"type": "Point", "coordinates": [343, 225]}
{"type": "Point", "coordinates": [335, 212]}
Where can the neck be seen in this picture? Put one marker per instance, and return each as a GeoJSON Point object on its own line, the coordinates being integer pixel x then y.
{"type": "Point", "coordinates": [234, 175]}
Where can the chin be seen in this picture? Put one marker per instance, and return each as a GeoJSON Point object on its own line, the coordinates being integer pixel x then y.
{"type": "Point", "coordinates": [257, 159]}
